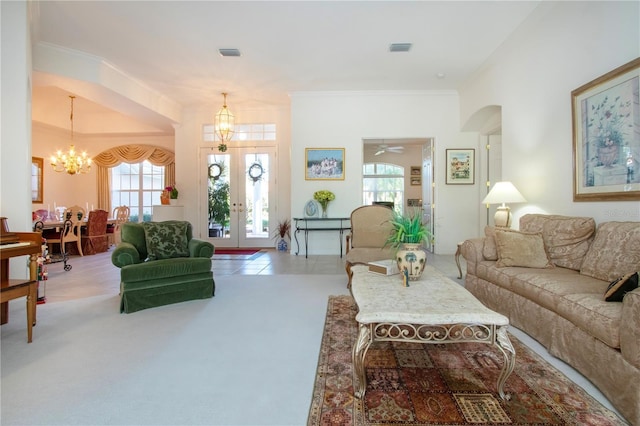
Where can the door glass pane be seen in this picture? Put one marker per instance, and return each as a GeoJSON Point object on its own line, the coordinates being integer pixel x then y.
{"type": "Point", "coordinates": [218, 195]}
{"type": "Point", "coordinates": [257, 195]}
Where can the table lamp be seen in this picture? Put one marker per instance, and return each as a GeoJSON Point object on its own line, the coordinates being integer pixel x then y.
{"type": "Point", "coordinates": [501, 193]}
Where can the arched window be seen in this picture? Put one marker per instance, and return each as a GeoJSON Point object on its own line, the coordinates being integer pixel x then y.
{"type": "Point", "coordinates": [138, 186]}
{"type": "Point", "coordinates": [134, 176]}
{"type": "Point", "coordinates": [383, 182]}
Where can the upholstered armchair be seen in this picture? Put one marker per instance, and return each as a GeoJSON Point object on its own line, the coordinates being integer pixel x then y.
{"type": "Point", "coordinates": [94, 235]}
{"type": "Point", "coordinates": [370, 229]}
{"type": "Point", "coordinates": [161, 263]}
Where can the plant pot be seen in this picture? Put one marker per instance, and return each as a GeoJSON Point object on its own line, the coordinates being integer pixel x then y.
{"type": "Point", "coordinates": [282, 244]}
{"type": "Point", "coordinates": [413, 258]}
{"type": "Point", "coordinates": [173, 201]}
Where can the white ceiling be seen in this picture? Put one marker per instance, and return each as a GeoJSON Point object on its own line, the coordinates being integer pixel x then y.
{"type": "Point", "coordinates": [172, 47]}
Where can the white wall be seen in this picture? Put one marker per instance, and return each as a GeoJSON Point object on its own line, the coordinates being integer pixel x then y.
{"type": "Point", "coordinates": [15, 147]}
{"type": "Point", "coordinates": [343, 119]}
{"type": "Point", "coordinates": [562, 46]}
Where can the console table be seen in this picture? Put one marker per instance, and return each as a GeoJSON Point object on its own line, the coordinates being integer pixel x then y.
{"type": "Point", "coordinates": [310, 224]}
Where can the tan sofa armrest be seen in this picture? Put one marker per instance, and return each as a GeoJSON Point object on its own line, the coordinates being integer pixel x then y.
{"type": "Point", "coordinates": [471, 250]}
{"type": "Point", "coordinates": [630, 328]}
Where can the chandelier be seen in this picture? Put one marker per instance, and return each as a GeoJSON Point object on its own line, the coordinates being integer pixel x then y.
{"type": "Point", "coordinates": [71, 162]}
{"type": "Point", "coordinates": [224, 125]}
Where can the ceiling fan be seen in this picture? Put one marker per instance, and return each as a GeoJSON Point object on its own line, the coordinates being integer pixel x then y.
{"type": "Point", "coordinates": [391, 149]}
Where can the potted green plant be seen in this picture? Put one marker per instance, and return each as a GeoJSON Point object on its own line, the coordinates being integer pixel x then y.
{"type": "Point", "coordinates": [407, 236]}
{"type": "Point", "coordinates": [281, 234]}
{"type": "Point", "coordinates": [219, 209]}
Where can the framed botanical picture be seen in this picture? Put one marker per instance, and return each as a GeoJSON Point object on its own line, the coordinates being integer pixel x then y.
{"type": "Point", "coordinates": [324, 163]}
{"type": "Point", "coordinates": [460, 166]}
{"type": "Point", "coordinates": [416, 177]}
{"type": "Point", "coordinates": [37, 189]}
{"type": "Point", "coordinates": [606, 136]}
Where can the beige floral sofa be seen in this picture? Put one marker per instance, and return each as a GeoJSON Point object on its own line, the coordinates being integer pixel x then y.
{"type": "Point", "coordinates": [550, 278]}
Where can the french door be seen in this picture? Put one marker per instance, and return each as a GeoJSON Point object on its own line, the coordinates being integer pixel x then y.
{"type": "Point", "coordinates": [239, 192]}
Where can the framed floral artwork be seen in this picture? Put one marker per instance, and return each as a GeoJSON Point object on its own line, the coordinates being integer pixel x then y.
{"type": "Point", "coordinates": [606, 136]}
{"type": "Point", "coordinates": [460, 166]}
{"type": "Point", "coordinates": [324, 164]}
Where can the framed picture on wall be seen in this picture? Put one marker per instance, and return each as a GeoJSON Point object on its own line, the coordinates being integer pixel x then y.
{"type": "Point", "coordinates": [324, 163]}
{"type": "Point", "coordinates": [460, 166]}
{"type": "Point", "coordinates": [416, 177]}
{"type": "Point", "coordinates": [606, 136]}
{"type": "Point", "coordinates": [37, 189]}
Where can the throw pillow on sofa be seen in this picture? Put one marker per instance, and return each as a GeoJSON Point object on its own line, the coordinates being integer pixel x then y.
{"type": "Point", "coordinates": [566, 238]}
{"type": "Point", "coordinates": [618, 288]}
{"type": "Point", "coordinates": [166, 240]}
{"type": "Point", "coordinates": [521, 249]}
{"type": "Point", "coordinates": [614, 252]}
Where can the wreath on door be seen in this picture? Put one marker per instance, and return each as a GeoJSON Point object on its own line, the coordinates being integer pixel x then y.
{"type": "Point", "coordinates": [215, 171]}
{"type": "Point", "coordinates": [255, 172]}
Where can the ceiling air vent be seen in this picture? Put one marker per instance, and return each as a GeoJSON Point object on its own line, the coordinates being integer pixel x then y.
{"type": "Point", "coordinates": [229, 52]}
{"type": "Point", "coordinates": [399, 47]}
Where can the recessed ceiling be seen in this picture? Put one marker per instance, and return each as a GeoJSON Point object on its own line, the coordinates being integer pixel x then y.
{"type": "Point", "coordinates": [172, 46]}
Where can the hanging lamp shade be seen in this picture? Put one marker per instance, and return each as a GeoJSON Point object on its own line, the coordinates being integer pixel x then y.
{"type": "Point", "coordinates": [224, 122]}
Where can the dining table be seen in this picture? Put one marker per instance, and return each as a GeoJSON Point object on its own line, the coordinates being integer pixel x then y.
{"type": "Point", "coordinates": [57, 224]}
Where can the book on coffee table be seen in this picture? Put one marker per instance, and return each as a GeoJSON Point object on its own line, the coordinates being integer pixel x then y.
{"type": "Point", "coordinates": [384, 267]}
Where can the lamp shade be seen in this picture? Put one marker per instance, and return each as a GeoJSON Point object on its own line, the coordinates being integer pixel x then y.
{"type": "Point", "coordinates": [503, 192]}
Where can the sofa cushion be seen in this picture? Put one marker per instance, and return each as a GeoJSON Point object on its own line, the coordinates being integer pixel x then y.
{"type": "Point", "coordinates": [593, 315]}
{"type": "Point", "coordinates": [166, 240]}
{"type": "Point", "coordinates": [150, 273]}
{"type": "Point", "coordinates": [566, 238]}
{"type": "Point", "coordinates": [489, 250]}
{"type": "Point", "coordinates": [615, 251]}
{"type": "Point", "coordinates": [621, 286]}
{"type": "Point", "coordinates": [521, 249]}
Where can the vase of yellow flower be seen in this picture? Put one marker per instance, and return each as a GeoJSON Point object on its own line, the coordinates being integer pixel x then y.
{"type": "Point", "coordinates": [323, 197]}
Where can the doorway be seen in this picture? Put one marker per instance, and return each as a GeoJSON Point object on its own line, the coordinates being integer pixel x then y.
{"type": "Point", "coordinates": [415, 157]}
{"type": "Point", "coordinates": [238, 189]}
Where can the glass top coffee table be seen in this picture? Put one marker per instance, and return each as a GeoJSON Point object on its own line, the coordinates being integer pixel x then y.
{"type": "Point", "coordinates": [433, 309]}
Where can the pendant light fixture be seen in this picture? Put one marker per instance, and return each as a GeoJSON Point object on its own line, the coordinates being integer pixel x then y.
{"type": "Point", "coordinates": [71, 162]}
{"type": "Point", "coordinates": [224, 125]}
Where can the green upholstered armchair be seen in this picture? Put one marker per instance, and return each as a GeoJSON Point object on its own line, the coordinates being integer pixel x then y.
{"type": "Point", "coordinates": [161, 263]}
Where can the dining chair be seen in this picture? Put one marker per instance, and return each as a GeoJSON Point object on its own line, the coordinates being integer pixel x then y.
{"type": "Point", "coordinates": [121, 215]}
{"type": "Point", "coordinates": [42, 214]}
{"type": "Point", "coordinates": [94, 235]}
{"type": "Point", "coordinates": [69, 232]}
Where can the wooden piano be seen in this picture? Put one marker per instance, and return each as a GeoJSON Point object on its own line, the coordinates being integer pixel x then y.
{"type": "Point", "coordinates": [12, 245]}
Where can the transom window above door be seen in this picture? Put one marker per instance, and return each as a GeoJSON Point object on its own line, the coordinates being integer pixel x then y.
{"type": "Point", "coordinates": [243, 132]}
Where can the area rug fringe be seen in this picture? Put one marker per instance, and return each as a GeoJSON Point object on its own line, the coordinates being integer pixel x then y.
{"type": "Point", "coordinates": [435, 384]}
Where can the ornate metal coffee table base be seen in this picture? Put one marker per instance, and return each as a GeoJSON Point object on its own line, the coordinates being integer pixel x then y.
{"type": "Point", "coordinates": [421, 333]}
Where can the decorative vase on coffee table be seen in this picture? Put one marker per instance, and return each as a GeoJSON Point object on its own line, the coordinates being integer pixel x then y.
{"type": "Point", "coordinates": [413, 258]}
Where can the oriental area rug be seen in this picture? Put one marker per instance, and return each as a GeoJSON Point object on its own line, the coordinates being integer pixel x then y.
{"type": "Point", "coordinates": [440, 384]}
